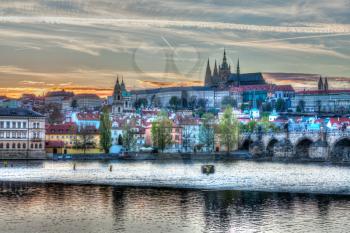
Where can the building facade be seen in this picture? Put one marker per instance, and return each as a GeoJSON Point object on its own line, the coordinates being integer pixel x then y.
{"type": "Point", "coordinates": [22, 134]}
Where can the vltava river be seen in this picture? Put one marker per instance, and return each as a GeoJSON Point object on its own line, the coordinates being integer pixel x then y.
{"type": "Point", "coordinates": [33, 208]}
{"type": "Point", "coordinates": [105, 197]}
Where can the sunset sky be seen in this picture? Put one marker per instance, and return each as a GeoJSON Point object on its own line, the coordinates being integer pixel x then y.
{"type": "Point", "coordinates": [82, 45]}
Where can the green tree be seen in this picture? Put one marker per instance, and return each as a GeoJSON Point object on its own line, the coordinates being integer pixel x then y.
{"type": "Point", "coordinates": [85, 139]}
{"type": "Point", "coordinates": [229, 101]}
{"type": "Point", "coordinates": [229, 130]}
{"type": "Point", "coordinates": [129, 140]}
{"type": "Point", "coordinates": [174, 102]}
{"type": "Point", "coordinates": [120, 140]}
{"type": "Point", "coordinates": [206, 131]}
{"type": "Point", "coordinates": [301, 106]}
{"type": "Point", "coordinates": [74, 104]}
{"type": "Point", "coordinates": [105, 131]}
{"type": "Point", "coordinates": [161, 132]}
{"type": "Point", "coordinates": [141, 102]}
{"type": "Point", "coordinates": [280, 105]}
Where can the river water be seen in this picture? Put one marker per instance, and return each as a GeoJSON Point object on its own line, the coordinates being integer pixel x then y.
{"type": "Point", "coordinates": [108, 203]}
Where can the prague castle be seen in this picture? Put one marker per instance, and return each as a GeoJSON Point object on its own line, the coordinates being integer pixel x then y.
{"type": "Point", "coordinates": [223, 78]}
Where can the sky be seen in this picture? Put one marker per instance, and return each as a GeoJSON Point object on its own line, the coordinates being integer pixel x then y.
{"type": "Point", "coordinates": [83, 45]}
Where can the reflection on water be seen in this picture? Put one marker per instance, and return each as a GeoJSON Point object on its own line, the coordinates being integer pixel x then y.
{"type": "Point", "coordinates": [33, 208]}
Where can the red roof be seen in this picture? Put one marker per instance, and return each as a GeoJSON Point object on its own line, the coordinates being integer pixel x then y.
{"type": "Point", "coordinates": [340, 120]}
{"type": "Point", "coordinates": [67, 128]}
{"type": "Point", "coordinates": [88, 116]}
{"type": "Point", "coordinates": [264, 87]}
{"type": "Point", "coordinates": [85, 95]}
{"type": "Point", "coordinates": [321, 92]}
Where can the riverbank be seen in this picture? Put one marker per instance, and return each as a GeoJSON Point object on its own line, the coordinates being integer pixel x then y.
{"type": "Point", "coordinates": [187, 174]}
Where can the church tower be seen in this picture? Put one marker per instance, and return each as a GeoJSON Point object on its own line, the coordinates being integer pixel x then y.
{"type": "Point", "coordinates": [118, 103]}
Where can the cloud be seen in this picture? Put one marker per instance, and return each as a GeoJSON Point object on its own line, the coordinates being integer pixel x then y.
{"type": "Point", "coordinates": [142, 23]}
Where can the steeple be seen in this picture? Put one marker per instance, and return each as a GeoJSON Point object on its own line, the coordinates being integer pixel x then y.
{"type": "Point", "coordinates": [207, 79]}
{"type": "Point", "coordinates": [224, 61]}
{"type": "Point", "coordinates": [325, 85]}
{"type": "Point", "coordinates": [216, 73]}
{"type": "Point", "coordinates": [238, 73]}
{"type": "Point", "coordinates": [117, 89]}
{"type": "Point", "coordinates": [122, 84]}
{"type": "Point", "coordinates": [320, 84]}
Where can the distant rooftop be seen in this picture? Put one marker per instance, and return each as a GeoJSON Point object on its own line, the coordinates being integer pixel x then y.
{"type": "Point", "coordinates": [167, 89]}
{"type": "Point", "coordinates": [19, 112]}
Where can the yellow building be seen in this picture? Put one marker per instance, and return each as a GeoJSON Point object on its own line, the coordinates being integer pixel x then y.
{"type": "Point", "coordinates": [68, 139]}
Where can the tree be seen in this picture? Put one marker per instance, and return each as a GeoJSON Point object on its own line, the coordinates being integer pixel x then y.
{"type": "Point", "coordinates": [74, 104]}
{"type": "Point", "coordinates": [229, 101]}
{"type": "Point", "coordinates": [202, 103]}
{"type": "Point", "coordinates": [85, 138]}
{"type": "Point", "coordinates": [206, 131]}
{"type": "Point", "coordinates": [301, 106]}
{"type": "Point", "coordinates": [105, 131]}
{"type": "Point", "coordinates": [129, 140]}
{"type": "Point", "coordinates": [192, 102]}
{"type": "Point", "coordinates": [139, 103]}
{"type": "Point", "coordinates": [174, 102]}
{"type": "Point", "coordinates": [161, 132]}
{"type": "Point", "coordinates": [55, 115]}
{"type": "Point", "coordinates": [229, 130]}
{"type": "Point", "coordinates": [184, 99]}
{"type": "Point", "coordinates": [120, 140]}
{"type": "Point", "coordinates": [280, 105]}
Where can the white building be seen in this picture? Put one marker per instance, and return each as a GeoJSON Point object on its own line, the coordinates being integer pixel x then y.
{"type": "Point", "coordinates": [22, 134]}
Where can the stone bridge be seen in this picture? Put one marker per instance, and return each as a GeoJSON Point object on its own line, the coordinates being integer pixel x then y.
{"type": "Point", "coordinates": [317, 145]}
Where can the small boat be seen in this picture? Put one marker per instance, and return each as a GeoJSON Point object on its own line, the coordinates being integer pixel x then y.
{"type": "Point", "coordinates": [208, 169]}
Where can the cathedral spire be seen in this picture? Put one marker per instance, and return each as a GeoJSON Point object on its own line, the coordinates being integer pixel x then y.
{"type": "Point", "coordinates": [215, 69]}
{"type": "Point", "coordinates": [238, 73]}
{"type": "Point", "coordinates": [320, 84]}
{"type": "Point", "coordinates": [207, 80]}
{"type": "Point", "coordinates": [325, 85]}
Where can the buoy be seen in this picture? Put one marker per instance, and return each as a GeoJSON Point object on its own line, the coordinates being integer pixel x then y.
{"type": "Point", "coordinates": [208, 169]}
{"type": "Point", "coordinates": [110, 168]}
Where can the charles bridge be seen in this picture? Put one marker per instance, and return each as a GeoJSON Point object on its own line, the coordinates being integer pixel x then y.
{"type": "Point", "coordinates": [310, 145]}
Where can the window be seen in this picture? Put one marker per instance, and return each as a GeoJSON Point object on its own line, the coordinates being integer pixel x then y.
{"type": "Point", "coordinates": [24, 124]}
{"type": "Point", "coordinates": [7, 124]}
{"type": "Point", "coordinates": [1, 124]}
{"type": "Point", "coordinates": [24, 145]}
{"type": "Point", "coordinates": [7, 145]}
{"type": "Point", "coordinates": [36, 146]}
{"type": "Point", "coordinates": [40, 146]}
{"type": "Point", "coordinates": [19, 146]}
{"type": "Point", "coordinates": [13, 145]}
{"type": "Point", "coordinates": [1, 145]}
{"type": "Point", "coordinates": [7, 134]}
{"type": "Point", "coordinates": [19, 124]}
{"type": "Point", "coordinates": [14, 125]}
{"type": "Point", "coordinates": [31, 145]}
{"type": "Point", "coordinates": [1, 134]}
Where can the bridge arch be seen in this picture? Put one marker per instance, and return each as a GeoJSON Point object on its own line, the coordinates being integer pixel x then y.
{"type": "Point", "coordinates": [341, 149]}
{"type": "Point", "coordinates": [270, 147]}
{"type": "Point", "coordinates": [302, 147]}
{"type": "Point", "coordinates": [246, 144]}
